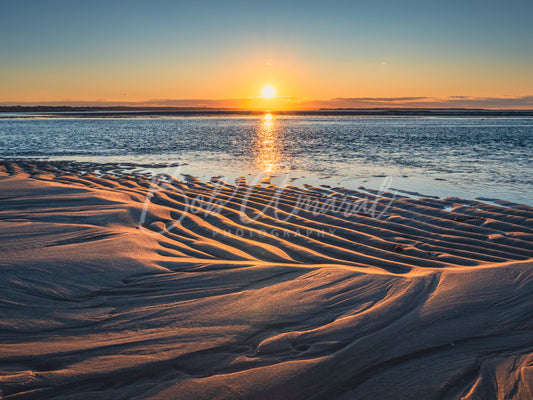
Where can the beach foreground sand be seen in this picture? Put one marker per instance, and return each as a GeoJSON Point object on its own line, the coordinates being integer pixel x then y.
{"type": "Point", "coordinates": [123, 287]}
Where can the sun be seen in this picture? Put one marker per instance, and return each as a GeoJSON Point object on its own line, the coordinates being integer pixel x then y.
{"type": "Point", "coordinates": [268, 91]}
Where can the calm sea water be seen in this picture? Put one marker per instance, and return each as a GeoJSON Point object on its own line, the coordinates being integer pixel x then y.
{"type": "Point", "coordinates": [465, 157]}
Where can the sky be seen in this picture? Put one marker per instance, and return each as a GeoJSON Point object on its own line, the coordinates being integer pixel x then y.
{"type": "Point", "coordinates": [221, 53]}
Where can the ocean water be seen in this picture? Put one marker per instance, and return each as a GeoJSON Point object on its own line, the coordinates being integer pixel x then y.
{"type": "Point", "coordinates": [442, 156]}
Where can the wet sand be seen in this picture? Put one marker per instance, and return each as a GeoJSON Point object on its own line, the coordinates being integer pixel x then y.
{"type": "Point", "coordinates": [119, 286]}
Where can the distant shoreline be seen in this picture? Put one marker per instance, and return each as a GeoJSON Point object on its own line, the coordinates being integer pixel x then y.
{"type": "Point", "coordinates": [118, 111]}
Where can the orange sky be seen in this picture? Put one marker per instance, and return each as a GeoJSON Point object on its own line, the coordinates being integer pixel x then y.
{"type": "Point", "coordinates": [222, 55]}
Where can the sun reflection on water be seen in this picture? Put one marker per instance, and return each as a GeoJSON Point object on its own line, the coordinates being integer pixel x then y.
{"type": "Point", "coordinates": [267, 147]}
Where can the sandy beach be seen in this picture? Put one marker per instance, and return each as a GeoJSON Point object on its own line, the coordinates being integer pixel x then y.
{"type": "Point", "coordinates": [119, 286]}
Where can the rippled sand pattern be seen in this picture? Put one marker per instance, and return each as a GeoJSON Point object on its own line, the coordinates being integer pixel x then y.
{"type": "Point", "coordinates": [119, 286]}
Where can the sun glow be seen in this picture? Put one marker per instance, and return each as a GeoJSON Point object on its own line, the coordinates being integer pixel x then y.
{"type": "Point", "coordinates": [268, 91]}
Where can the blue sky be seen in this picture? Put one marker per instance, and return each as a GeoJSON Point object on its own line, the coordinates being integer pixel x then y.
{"type": "Point", "coordinates": [102, 50]}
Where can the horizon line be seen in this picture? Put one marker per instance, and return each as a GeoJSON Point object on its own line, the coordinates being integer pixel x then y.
{"type": "Point", "coordinates": [282, 103]}
{"type": "Point", "coordinates": [376, 111]}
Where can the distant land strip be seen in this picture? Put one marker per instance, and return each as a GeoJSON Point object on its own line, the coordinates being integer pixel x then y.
{"type": "Point", "coordinates": [125, 111]}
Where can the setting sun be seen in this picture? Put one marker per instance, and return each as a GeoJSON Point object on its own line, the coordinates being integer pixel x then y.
{"type": "Point", "coordinates": [268, 91]}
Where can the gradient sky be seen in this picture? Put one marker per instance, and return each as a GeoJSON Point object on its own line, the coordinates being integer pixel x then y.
{"type": "Point", "coordinates": [222, 53]}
